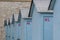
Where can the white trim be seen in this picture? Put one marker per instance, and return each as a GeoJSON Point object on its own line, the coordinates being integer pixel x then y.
{"type": "Point", "coordinates": [49, 11]}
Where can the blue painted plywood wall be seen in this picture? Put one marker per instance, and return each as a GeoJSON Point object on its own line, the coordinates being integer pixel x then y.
{"type": "Point", "coordinates": [37, 25]}
{"type": "Point", "coordinates": [57, 20]}
{"type": "Point", "coordinates": [26, 32]}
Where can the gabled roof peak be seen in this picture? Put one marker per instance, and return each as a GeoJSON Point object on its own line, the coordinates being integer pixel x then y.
{"type": "Point", "coordinates": [42, 5]}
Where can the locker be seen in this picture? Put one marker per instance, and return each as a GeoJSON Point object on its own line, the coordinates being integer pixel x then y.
{"type": "Point", "coordinates": [17, 30]}
{"type": "Point", "coordinates": [12, 31]}
{"type": "Point", "coordinates": [48, 28]}
{"type": "Point", "coordinates": [12, 25]}
{"type": "Point", "coordinates": [27, 28]}
{"type": "Point", "coordinates": [8, 32]}
{"type": "Point", "coordinates": [17, 27]}
{"type": "Point", "coordinates": [42, 20]}
{"type": "Point", "coordinates": [6, 29]}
